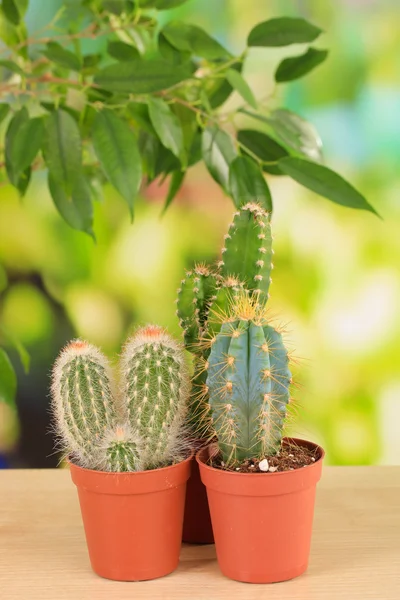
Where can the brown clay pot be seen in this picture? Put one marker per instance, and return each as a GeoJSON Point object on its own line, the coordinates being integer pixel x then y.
{"type": "Point", "coordinates": [133, 521]}
{"type": "Point", "coordinates": [262, 522]}
{"type": "Point", "coordinates": [197, 528]}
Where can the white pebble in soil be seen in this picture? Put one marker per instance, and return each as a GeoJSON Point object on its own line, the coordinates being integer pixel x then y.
{"type": "Point", "coordinates": [263, 465]}
{"type": "Point", "coordinates": [273, 469]}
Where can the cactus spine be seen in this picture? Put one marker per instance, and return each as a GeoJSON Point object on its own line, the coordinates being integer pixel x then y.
{"type": "Point", "coordinates": [83, 404]}
{"type": "Point", "coordinates": [248, 381]}
{"type": "Point", "coordinates": [155, 384]}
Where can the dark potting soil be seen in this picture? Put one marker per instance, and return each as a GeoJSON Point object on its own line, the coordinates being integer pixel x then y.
{"type": "Point", "coordinates": [290, 457]}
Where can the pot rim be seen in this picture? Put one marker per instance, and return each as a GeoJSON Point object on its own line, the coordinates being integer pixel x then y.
{"type": "Point", "coordinates": [134, 482]}
{"type": "Point", "coordinates": [214, 451]}
{"type": "Point", "coordinates": [73, 465]}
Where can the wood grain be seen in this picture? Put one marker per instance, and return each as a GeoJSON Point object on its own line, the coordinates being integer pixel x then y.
{"type": "Point", "coordinates": [355, 551]}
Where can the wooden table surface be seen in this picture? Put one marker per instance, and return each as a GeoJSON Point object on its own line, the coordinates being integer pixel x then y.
{"type": "Point", "coordinates": [355, 551]}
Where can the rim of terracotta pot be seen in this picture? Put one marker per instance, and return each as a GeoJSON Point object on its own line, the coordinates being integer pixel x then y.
{"type": "Point", "coordinates": [136, 482]}
{"type": "Point", "coordinates": [260, 484]}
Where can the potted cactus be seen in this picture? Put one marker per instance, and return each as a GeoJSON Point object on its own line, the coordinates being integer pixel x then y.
{"type": "Point", "coordinates": [260, 485]}
{"type": "Point", "coordinates": [127, 451]}
{"type": "Point", "coordinates": [206, 290]}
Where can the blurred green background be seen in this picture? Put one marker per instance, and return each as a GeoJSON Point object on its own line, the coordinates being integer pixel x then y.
{"type": "Point", "coordinates": [336, 279]}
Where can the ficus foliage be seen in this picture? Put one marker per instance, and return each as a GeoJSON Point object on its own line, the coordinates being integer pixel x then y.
{"type": "Point", "coordinates": [110, 92]}
{"type": "Point", "coordinates": [146, 103]}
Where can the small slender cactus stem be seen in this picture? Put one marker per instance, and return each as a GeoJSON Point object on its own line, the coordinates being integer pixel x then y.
{"type": "Point", "coordinates": [227, 290]}
{"type": "Point", "coordinates": [82, 400]}
{"type": "Point", "coordinates": [120, 450]}
{"type": "Point", "coordinates": [199, 414]}
{"type": "Point", "coordinates": [194, 296]}
{"type": "Point", "coordinates": [247, 253]}
{"type": "Point", "coordinates": [156, 387]}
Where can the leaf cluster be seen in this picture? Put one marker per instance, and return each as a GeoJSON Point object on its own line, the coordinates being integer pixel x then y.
{"type": "Point", "coordinates": [106, 93]}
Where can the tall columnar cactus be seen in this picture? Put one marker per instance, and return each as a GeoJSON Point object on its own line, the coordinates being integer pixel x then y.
{"type": "Point", "coordinates": [155, 390]}
{"type": "Point", "coordinates": [248, 382]}
{"type": "Point", "coordinates": [247, 253]}
{"type": "Point", "coordinates": [83, 403]}
{"type": "Point", "coordinates": [205, 296]}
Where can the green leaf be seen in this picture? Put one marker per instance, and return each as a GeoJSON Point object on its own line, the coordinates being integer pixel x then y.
{"type": "Point", "coordinates": [75, 207]}
{"type": "Point", "coordinates": [10, 65]}
{"type": "Point", "coordinates": [3, 280]}
{"type": "Point", "coordinates": [63, 149]}
{"type": "Point", "coordinates": [90, 62]}
{"type": "Point", "coordinates": [117, 7]}
{"type": "Point", "coordinates": [22, 7]}
{"type": "Point", "coordinates": [296, 132]}
{"type": "Point", "coordinates": [264, 147]}
{"type": "Point", "coordinates": [142, 76]}
{"type": "Point", "coordinates": [218, 152]}
{"type": "Point", "coordinates": [190, 38]}
{"type": "Point", "coordinates": [247, 183]}
{"type": "Point", "coordinates": [219, 90]}
{"type": "Point", "coordinates": [61, 56]}
{"type": "Point", "coordinates": [4, 110]}
{"type": "Point", "coordinates": [26, 143]}
{"type": "Point", "coordinates": [8, 380]}
{"type": "Point", "coordinates": [11, 340]}
{"type": "Point", "coordinates": [121, 51]}
{"type": "Point", "coordinates": [156, 158]}
{"type": "Point", "coordinates": [11, 11]}
{"type": "Point", "coordinates": [175, 184]}
{"type": "Point", "coordinates": [241, 86]}
{"type": "Point", "coordinates": [18, 180]}
{"type": "Point", "coordinates": [11, 35]}
{"type": "Point", "coordinates": [297, 66]}
{"type": "Point", "coordinates": [170, 53]}
{"type": "Point", "coordinates": [325, 182]}
{"type": "Point", "coordinates": [117, 150]}
{"type": "Point", "coordinates": [167, 127]}
{"type": "Point", "coordinates": [165, 161]}
{"type": "Point", "coordinates": [188, 122]}
{"type": "Point", "coordinates": [14, 10]}
{"type": "Point", "coordinates": [283, 31]}
{"type": "Point", "coordinates": [161, 4]}
{"type": "Point", "coordinates": [140, 116]}
{"type": "Point", "coordinates": [195, 150]}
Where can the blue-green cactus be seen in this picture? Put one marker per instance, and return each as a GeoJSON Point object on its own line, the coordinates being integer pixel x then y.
{"type": "Point", "coordinates": [248, 381]}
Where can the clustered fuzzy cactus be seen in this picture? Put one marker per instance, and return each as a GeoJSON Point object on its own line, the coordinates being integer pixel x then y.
{"type": "Point", "coordinates": [155, 392]}
{"type": "Point", "coordinates": [240, 387]}
{"type": "Point", "coordinates": [142, 426]}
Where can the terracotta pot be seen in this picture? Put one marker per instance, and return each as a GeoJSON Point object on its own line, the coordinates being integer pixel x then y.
{"type": "Point", "coordinates": [133, 521]}
{"type": "Point", "coordinates": [262, 522]}
{"type": "Point", "coordinates": [197, 528]}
